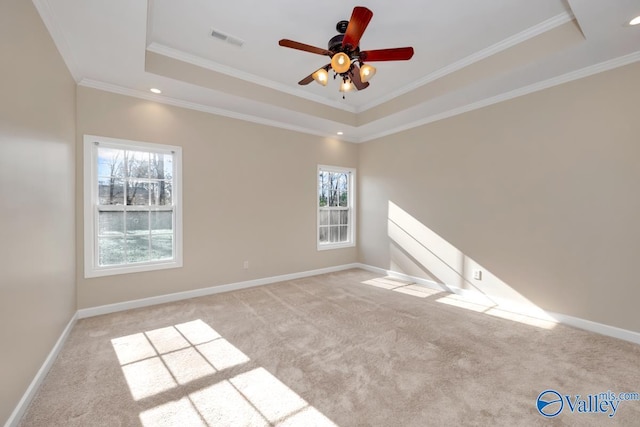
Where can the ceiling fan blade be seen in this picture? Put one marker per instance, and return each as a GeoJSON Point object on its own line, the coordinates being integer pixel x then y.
{"type": "Point", "coordinates": [354, 74]}
{"type": "Point", "coordinates": [395, 54]}
{"type": "Point", "coordinates": [304, 47]}
{"type": "Point", "coordinates": [306, 80]}
{"type": "Point", "coordinates": [309, 78]}
{"type": "Point", "coordinates": [357, 24]}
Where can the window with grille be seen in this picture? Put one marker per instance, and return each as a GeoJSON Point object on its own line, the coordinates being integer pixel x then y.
{"type": "Point", "coordinates": [132, 206]}
{"type": "Point", "coordinates": [336, 216]}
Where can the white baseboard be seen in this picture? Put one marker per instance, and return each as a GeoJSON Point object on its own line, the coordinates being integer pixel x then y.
{"type": "Point", "coordinates": [28, 395]}
{"type": "Point", "coordinates": [602, 329]}
{"type": "Point", "coordinates": [161, 299]}
{"type": "Point", "coordinates": [576, 322]}
{"type": "Point", "coordinates": [401, 276]}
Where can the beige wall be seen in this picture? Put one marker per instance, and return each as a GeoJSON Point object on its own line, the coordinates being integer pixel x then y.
{"type": "Point", "coordinates": [542, 191]}
{"type": "Point", "coordinates": [37, 197]}
{"type": "Point", "coordinates": [249, 194]}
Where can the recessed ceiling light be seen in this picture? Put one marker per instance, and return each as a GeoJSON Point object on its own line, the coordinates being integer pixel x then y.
{"type": "Point", "coordinates": [635, 21]}
{"type": "Point", "coordinates": [340, 133]}
{"type": "Point", "coordinates": [154, 90]}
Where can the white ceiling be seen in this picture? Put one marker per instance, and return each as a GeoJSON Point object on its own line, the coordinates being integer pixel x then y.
{"type": "Point", "coordinates": [468, 54]}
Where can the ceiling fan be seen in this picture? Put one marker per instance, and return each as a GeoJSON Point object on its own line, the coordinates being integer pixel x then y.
{"type": "Point", "coordinates": [347, 60]}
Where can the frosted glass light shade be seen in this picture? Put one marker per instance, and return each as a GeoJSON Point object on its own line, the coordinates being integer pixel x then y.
{"type": "Point", "coordinates": [321, 76]}
{"type": "Point", "coordinates": [340, 62]}
{"type": "Point", "coordinates": [346, 86]}
{"type": "Point", "coordinates": [366, 72]}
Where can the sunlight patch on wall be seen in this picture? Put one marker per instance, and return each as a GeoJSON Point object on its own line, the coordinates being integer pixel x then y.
{"type": "Point", "coordinates": [420, 247]}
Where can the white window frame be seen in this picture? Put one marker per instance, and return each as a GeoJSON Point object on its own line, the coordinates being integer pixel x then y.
{"type": "Point", "coordinates": [91, 266]}
{"type": "Point", "coordinates": [351, 205]}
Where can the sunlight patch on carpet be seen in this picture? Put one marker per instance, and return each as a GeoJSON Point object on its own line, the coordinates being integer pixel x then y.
{"type": "Point", "coordinates": [401, 286]}
{"type": "Point", "coordinates": [159, 363]}
{"type": "Point", "coordinates": [187, 365]}
{"type": "Point", "coordinates": [222, 354]}
{"type": "Point", "coordinates": [170, 414]}
{"type": "Point", "coordinates": [132, 348]}
{"type": "Point", "coordinates": [156, 361]}
{"type": "Point", "coordinates": [513, 314]}
{"type": "Point", "coordinates": [148, 378]}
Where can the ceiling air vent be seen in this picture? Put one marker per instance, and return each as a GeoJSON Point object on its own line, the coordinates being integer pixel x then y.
{"type": "Point", "coordinates": [226, 38]}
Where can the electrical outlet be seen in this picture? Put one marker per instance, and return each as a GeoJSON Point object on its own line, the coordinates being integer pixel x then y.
{"type": "Point", "coordinates": [477, 274]}
{"type": "Point", "coordinates": [245, 265]}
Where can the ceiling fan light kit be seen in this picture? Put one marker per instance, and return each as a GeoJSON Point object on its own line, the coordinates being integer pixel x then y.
{"type": "Point", "coordinates": [321, 76]}
{"type": "Point", "coordinates": [366, 72]}
{"type": "Point", "coordinates": [347, 61]}
{"type": "Point", "coordinates": [346, 86]}
{"type": "Point", "coordinates": [340, 63]}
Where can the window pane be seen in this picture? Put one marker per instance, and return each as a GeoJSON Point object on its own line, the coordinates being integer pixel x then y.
{"type": "Point", "coordinates": [343, 234]}
{"type": "Point", "coordinates": [160, 193]}
{"type": "Point", "coordinates": [324, 234]}
{"type": "Point", "coordinates": [137, 193]}
{"type": "Point", "coordinates": [333, 191]}
{"type": "Point", "coordinates": [334, 218]}
{"type": "Point", "coordinates": [343, 180]}
{"type": "Point", "coordinates": [324, 217]}
{"type": "Point", "coordinates": [137, 248]}
{"type": "Point", "coordinates": [322, 189]}
{"type": "Point", "coordinates": [111, 223]}
{"type": "Point", "coordinates": [110, 162]}
{"type": "Point", "coordinates": [161, 246]}
{"type": "Point", "coordinates": [334, 234]}
{"type": "Point", "coordinates": [110, 191]}
{"type": "Point", "coordinates": [161, 222]}
{"type": "Point", "coordinates": [344, 217]}
{"type": "Point", "coordinates": [136, 164]}
{"type": "Point", "coordinates": [137, 223]}
{"type": "Point", "coordinates": [161, 166]}
{"type": "Point", "coordinates": [343, 186]}
{"type": "Point", "coordinates": [110, 251]}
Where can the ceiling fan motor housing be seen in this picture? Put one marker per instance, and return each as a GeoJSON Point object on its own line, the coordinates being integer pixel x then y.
{"type": "Point", "coordinates": [335, 45]}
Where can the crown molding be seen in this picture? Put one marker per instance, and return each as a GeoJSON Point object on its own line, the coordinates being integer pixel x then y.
{"type": "Point", "coordinates": [555, 81]}
{"type": "Point", "coordinates": [522, 36]}
{"type": "Point", "coordinates": [51, 22]}
{"type": "Point", "coordinates": [108, 87]}
{"type": "Point", "coordinates": [525, 90]}
{"type": "Point", "coordinates": [248, 77]}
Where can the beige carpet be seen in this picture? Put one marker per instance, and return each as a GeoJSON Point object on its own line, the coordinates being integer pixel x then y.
{"type": "Point", "coordinates": [337, 349]}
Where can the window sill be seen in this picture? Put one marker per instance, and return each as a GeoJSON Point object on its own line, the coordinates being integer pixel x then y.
{"type": "Point", "coordinates": [328, 246]}
{"type": "Point", "coordinates": [139, 268]}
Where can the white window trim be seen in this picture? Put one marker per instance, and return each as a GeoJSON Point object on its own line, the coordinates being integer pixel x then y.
{"type": "Point", "coordinates": [352, 209]}
{"type": "Point", "coordinates": [91, 267]}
